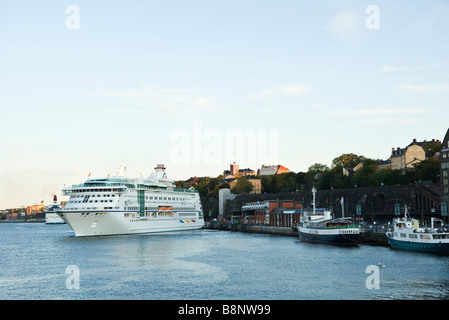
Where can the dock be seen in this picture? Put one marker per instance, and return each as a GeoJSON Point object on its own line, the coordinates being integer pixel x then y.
{"type": "Point", "coordinates": [369, 235]}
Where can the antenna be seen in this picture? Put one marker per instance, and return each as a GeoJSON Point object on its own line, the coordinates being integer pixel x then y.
{"type": "Point", "coordinates": [313, 203]}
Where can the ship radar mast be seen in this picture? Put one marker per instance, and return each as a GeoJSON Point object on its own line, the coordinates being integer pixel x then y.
{"type": "Point", "coordinates": [160, 168]}
{"type": "Point", "coordinates": [120, 171]}
{"type": "Point", "coordinates": [313, 202]}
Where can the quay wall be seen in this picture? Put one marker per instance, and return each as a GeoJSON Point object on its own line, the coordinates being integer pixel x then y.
{"type": "Point", "coordinates": [368, 235]}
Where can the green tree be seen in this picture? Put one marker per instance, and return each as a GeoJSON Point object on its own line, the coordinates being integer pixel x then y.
{"type": "Point", "coordinates": [242, 186]}
{"type": "Point", "coordinates": [427, 170]}
{"type": "Point", "coordinates": [349, 160]}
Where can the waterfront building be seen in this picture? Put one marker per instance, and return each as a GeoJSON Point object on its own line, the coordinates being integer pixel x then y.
{"type": "Point", "coordinates": [37, 208]}
{"type": "Point", "coordinates": [14, 213]}
{"type": "Point", "coordinates": [279, 213]}
{"type": "Point", "coordinates": [444, 168]}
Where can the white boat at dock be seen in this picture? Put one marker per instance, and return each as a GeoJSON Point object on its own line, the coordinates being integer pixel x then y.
{"type": "Point", "coordinates": [319, 226]}
{"type": "Point", "coordinates": [407, 234]}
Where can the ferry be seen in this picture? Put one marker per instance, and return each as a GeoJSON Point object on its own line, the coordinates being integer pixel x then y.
{"type": "Point", "coordinates": [407, 234]}
{"type": "Point", "coordinates": [320, 227]}
{"type": "Point", "coordinates": [50, 216]}
{"type": "Point", "coordinates": [119, 205]}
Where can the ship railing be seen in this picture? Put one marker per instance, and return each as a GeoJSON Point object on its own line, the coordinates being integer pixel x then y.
{"type": "Point", "coordinates": [340, 227]}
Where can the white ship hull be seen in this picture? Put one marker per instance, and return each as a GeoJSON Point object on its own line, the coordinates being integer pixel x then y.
{"type": "Point", "coordinates": [118, 223]}
{"type": "Point", "coordinates": [343, 236]}
{"type": "Point", "coordinates": [53, 218]}
{"type": "Point", "coordinates": [119, 205]}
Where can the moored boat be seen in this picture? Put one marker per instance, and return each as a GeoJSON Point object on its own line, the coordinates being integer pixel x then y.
{"type": "Point", "coordinates": [407, 234]}
{"type": "Point", "coordinates": [320, 227]}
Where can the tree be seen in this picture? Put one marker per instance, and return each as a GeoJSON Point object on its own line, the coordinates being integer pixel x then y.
{"type": "Point", "coordinates": [349, 160]}
{"type": "Point", "coordinates": [318, 167]}
{"type": "Point", "coordinates": [427, 170]}
{"type": "Point", "coordinates": [242, 186]}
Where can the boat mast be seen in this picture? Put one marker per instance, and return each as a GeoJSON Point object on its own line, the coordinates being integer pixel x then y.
{"type": "Point", "coordinates": [313, 202]}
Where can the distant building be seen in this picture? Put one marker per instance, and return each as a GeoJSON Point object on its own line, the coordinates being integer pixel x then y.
{"type": "Point", "coordinates": [223, 196]}
{"type": "Point", "coordinates": [193, 181]}
{"type": "Point", "coordinates": [279, 213]}
{"type": "Point", "coordinates": [14, 213]}
{"type": "Point", "coordinates": [257, 183]}
{"type": "Point", "coordinates": [234, 172]}
{"type": "Point", "coordinates": [37, 208]}
{"type": "Point", "coordinates": [383, 164]}
{"type": "Point", "coordinates": [404, 158]}
{"type": "Point", "coordinates": [270, 170]}
{"type": "Point", "coordinates": [352, 171]}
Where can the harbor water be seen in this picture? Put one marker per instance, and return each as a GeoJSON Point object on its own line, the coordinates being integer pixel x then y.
{"type": "Point", "coordinates": [40, 261]}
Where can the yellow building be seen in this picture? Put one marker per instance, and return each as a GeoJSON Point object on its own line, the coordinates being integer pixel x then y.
{"type": "Point", "coordinates": [36, 208]}
{"type": "Point", "coordinates": [257, 184]}
{"type": "Point", "coordinates": [405, 158]}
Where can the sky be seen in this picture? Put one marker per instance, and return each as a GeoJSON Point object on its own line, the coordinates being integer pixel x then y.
{"type": "Point", "coordinates": [198, 84]}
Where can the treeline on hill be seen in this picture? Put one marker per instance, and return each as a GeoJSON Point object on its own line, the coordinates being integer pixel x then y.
{"type": "Point", "coordinates": [326, 178]}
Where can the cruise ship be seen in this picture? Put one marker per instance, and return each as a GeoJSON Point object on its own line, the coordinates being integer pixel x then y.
{"type": "Point", "coordinates": [50, 216]}
{"type": "Point", "coordinates": [120, 205]}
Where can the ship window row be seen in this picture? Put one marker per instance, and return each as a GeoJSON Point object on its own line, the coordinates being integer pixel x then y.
{"type": "Point", "coordinates": [98, 190]}
{"type": "Point", "coordinates": [165, 198]}
{"type": "Point", "coordinates": [79, 201]}
{"type": "Point", "coordinates": [93, 195]}
{"type": "Point", "coordinates": [422, 236]}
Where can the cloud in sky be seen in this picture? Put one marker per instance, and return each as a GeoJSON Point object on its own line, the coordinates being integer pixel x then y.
{"type": "Point", "coordinates": [387, 69]}
{"type": "Point", "coordinates": [290, 90]}
{"type": "Point", "coordinates": [346, 25]}
{"type": "Point", "coordinates": [384, 116]}
{"type": "Point", "coordinates": [380, 112]}
{"type": "Point", "coordinates": [425, 88]}
{"type": "Point", "coordinates": [157, 100]}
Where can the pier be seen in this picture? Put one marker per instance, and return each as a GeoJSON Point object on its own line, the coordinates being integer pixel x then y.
{"type": "Point", "coordinates": [369, 234]}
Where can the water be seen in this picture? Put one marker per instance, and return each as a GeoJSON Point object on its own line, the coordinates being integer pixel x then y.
{"type": "Point", "coordinates": [205, 264]}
